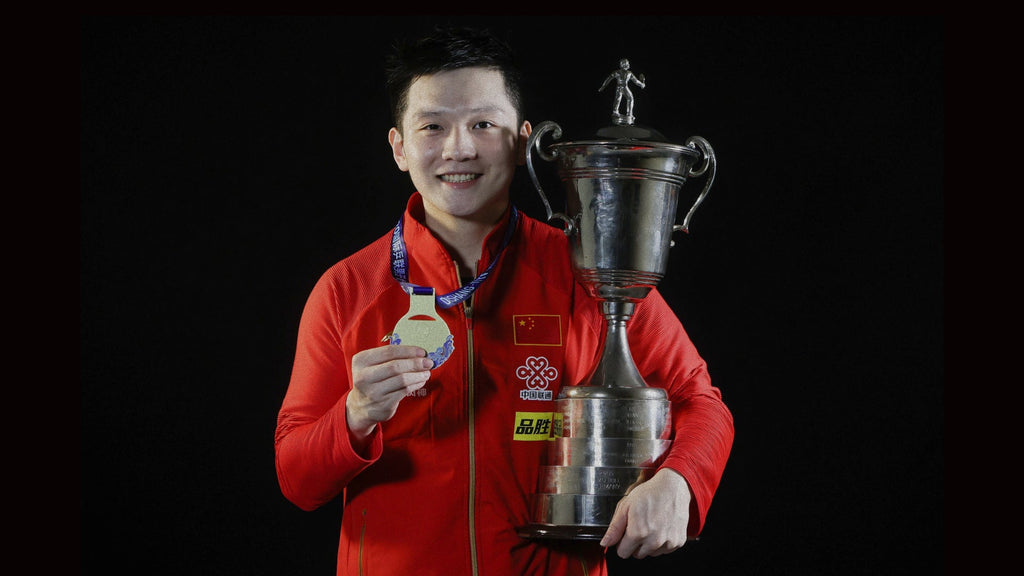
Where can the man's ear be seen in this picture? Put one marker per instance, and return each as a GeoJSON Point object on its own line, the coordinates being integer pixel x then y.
{"type": "Point", "coordinates": [524, 135]}
{"type": "Point", "coordinates": [398, 149]}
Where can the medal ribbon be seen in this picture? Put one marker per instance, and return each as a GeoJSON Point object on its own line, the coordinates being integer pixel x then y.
{"type": "Point", "coordinates": [400, 266]}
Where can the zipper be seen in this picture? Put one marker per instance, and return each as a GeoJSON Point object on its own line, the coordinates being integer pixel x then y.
{"type": "Point", "coordinates": [468, 309]}
{"type": "Point", "coordinates": [362, 537]}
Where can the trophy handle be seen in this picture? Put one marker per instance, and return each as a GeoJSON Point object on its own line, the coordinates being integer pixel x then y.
{"type": "Point", "coordinates": [534, 141]}
{"type": "Point", "coordinates": [707, 164]}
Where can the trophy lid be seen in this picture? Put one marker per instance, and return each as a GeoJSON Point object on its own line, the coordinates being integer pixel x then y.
{"type": "Point", "coordinates": [631, 132]}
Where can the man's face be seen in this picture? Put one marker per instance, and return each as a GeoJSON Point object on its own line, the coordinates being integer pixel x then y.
{"type": "Point", "coordinates": [460, 144]}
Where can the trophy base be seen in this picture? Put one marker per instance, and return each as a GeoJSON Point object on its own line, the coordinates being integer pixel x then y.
{"type": "Point", "coordinates": [552, 532]}
{"type": "Point", "coordinates": [570, 516]}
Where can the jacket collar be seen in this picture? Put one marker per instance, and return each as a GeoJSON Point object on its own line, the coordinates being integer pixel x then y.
{"type": "Point", "coordinates": [427, 251]}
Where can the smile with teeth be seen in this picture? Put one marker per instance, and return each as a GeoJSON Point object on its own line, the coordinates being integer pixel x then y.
{"type": "Point", "coordinates": [459, 178]}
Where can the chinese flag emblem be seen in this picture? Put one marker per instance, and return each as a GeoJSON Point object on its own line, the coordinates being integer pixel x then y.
{"type": "Point", "coordinates": [537, 330]}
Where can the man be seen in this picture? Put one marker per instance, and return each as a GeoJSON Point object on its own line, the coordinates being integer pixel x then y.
{"type": "Point", "coordinates": [425, 448]}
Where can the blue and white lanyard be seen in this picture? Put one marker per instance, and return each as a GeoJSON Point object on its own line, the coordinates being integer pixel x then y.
{"type": "Point", "coordinates": [400, 266]}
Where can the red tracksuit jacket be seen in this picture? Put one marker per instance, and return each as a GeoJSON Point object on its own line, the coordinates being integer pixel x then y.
{"type": "Point", "coordinates": [448, 479]}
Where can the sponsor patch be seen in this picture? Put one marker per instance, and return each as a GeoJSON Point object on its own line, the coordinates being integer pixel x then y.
{"type": "Point", "coordinates": [533, 426]}
{"type": "Point", "coordinates": [538, 373]}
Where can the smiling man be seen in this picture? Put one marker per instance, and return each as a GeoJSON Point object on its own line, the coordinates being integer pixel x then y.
{"type": "Point", "coordinates": [460, 139]}
{"type": "Point", "coordinates": [435, 438]}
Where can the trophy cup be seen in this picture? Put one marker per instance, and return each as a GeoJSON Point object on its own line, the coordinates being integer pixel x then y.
{"type": "Point", "coordinates": [621, 194]}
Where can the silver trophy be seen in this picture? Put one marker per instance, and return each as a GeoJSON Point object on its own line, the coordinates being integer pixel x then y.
{"type": "Point", "coordinates": [621, 193]}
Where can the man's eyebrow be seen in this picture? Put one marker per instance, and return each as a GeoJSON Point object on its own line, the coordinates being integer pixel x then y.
{"type": "Point", "coordinates": [445, 111]}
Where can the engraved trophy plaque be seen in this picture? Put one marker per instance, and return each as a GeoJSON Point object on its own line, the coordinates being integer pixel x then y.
{"type": "Point", "coordinates": [622, 188]}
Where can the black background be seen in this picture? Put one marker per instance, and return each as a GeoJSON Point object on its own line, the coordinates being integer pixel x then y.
{"type": "Point", "coordinates": [227, 161]}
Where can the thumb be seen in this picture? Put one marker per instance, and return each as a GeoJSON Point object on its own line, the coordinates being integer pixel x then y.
{"type": "Point", "coordinates": [616, 528]}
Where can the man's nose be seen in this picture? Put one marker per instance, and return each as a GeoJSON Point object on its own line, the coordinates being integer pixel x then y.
{"type": "Point", "coordinates": [458, 145]}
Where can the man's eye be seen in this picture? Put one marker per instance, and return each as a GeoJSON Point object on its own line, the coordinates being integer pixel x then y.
{"type": "Point", "coordinates": [484, 124]}
{"type": "Point", "coordinates": [432, 127]}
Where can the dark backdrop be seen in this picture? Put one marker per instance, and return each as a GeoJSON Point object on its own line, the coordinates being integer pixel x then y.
{"type": "Point", "coordinates": [227, 161]}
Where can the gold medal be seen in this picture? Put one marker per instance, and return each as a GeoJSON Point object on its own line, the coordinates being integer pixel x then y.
{"type": "Point", "coordinates": [422, 327]}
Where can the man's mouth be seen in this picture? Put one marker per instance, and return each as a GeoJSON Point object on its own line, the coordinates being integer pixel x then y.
{"type": "Point", "coordinates": [459, 178]}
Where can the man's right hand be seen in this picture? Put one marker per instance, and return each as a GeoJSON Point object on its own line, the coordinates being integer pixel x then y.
{"type": "Point", "coordinates": [381, 377]}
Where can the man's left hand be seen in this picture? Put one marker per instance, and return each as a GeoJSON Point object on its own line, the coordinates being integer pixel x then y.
{"type": "Point", "coordinates": [651, 519]}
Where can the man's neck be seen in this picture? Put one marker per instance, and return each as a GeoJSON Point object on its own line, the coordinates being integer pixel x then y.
{"type": "Point", "coordinates": [464, 239]}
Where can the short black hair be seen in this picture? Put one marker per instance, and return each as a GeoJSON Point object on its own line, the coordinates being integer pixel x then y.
{"type": "Point", "coordinates": [449, 48]}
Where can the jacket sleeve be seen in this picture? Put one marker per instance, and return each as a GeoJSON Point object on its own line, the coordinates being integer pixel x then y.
{"type": "Point", "coordinates": [314, 457]}
{"type": "Point", "coordinates": [702, 423]}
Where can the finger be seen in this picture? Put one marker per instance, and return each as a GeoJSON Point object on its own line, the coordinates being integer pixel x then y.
{"type": "Point", "coordinates": [386, 353]}
{"type": "Point", "coordinates": [666, 548]}
{"type": "Point", "coordinates": [628, 546]}
{"type": "Point", "coordinates": [616, 528]}
{"type": "Point", "coordinates": [645, 549]}
{"type": "Point", "coordinates": [394, 374]}
{"type": "Point", "coordinates": [417, 367]}
{"type": "Point", "coordinates": [399, 382]}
